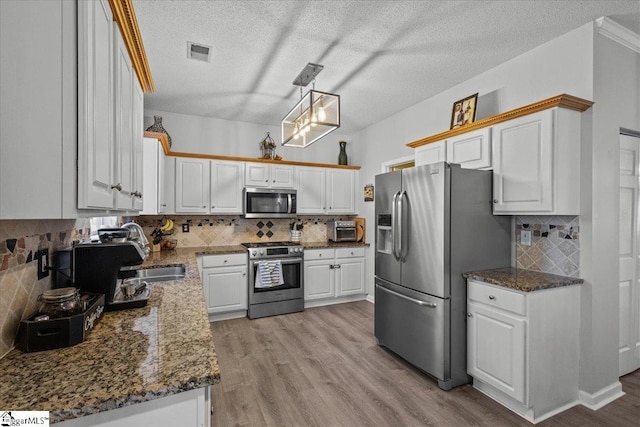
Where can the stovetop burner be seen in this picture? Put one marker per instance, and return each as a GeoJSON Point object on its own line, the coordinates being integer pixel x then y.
{"type": "Point", "coordinates": [251, 245]}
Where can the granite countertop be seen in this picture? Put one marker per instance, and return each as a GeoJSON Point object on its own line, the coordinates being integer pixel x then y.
{"type": "Point", "coordinates": [327, 244]}
{"type": "Point", "coordinates": [521, 279]}
{"type": "Point", "coordinates": [129, 357]}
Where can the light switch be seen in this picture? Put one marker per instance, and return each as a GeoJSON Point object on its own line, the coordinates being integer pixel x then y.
{"type": "Point", "coordinates": [525, 237]}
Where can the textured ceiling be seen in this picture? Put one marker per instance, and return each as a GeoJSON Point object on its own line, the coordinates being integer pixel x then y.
{"type": "Point", "coordinates": [379, 56]}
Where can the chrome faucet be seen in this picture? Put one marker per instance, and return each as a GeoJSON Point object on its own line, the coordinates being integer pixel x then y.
{"type": "Point", "coordinates": [138, 236]}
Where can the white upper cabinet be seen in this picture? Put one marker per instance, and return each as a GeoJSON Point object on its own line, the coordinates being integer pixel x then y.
{"type": "Point", "coordinates": [38, 109]}
{"type": "Point", "coordinates": [123, 123]}
{"type": "Point", "coordinates": [326, 191]}
{"type": "Point", "coordinates": [192, 185]}
{"type": "Point", "coordinates": [137, 138]}
{"type": "Point", "coordinates": [226, 187]}
{"type": "Point", "coordinates": [110, 109]}
{"type": "Point", "coordinates": [153, 190]}
{"type": "Point", "coordinates": [96, 141]}
{"type": "Point", "coordinates": [536, 164]}
{"type": "Point", "coordinates": [431, 153]}
{"type": "Point", "coordinates": [268, 175]}
{"type": "Point", "coordinates": [471, 150]}
{"type": "Point", "coordinates": [341, 185]}
{"type": "Point", "coordinates": [311, 190]}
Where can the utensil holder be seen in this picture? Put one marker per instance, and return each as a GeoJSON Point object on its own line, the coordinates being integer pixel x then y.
{"type": "Point", "coordinates": [296, 235]}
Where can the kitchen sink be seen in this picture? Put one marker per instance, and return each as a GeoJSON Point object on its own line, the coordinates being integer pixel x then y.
{"type": "Point", "coordinates": [162, 274]}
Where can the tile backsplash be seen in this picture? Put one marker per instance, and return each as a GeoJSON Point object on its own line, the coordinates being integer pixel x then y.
{"type": "Point", "coordinates": [555, 244]}
{"type": "Point", "coordinates": [20, 240]}
{"type": "Point", "coordinates": [233, 230]}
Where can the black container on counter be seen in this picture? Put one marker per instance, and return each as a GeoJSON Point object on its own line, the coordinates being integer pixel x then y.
{"type": "Point", "coordinates": [39, 335]}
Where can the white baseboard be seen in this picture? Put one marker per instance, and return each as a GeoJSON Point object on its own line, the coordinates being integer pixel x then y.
{"type": "Point", "coordinates": [331, 301]}
{"type": "Point", "coordinates": [371, 299]}
{"type": "Point", "coordinates": [226, 316]}
{"type": "Point", "coordinates": [602, 397]}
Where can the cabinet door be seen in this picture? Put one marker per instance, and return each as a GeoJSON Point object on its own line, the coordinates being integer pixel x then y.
{"type": "Point", "coordinates": [340, 196]}
{"type": "Point", "coordinates": [161, 177]}
{"type": "Point", "coordinates": [226, 187]}
{"type": "Point", "coordinates": [311, 191]}
{"type": "Point", "coordinates": [192, 185]}
{"type": "Point", "coordinates": [496, 349]}
{"type": "Point", "coordinates": [123, 123]}
{"type": "Point", "coordinates": [256, 175]}
{"type": "Point", "coordinates": [281, 176]}
{"type": "Point", "coordinates": [96, 141]}
{"type": "Point", "coordinates": [523, 164]}
{"type": "Point", "coordinates": [349, 276]}
{"type": "Point", "coordinates": [137, 135]}
{"type": "Point", "coordinates": [471, 150]}
{"type": "Point", "coordinates": [225, 288]}
{"type": "Point", "coordinates": [431, 153]}
{"type": "Point", "coordinates": [318, 280]}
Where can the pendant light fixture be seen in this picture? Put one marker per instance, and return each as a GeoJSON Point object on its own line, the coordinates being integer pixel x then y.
{"type": "Point", "coordinates": [314, 116]}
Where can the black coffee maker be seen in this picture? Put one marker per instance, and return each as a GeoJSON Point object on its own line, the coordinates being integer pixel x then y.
{"type": "Point", "coordinates": [96, 267]}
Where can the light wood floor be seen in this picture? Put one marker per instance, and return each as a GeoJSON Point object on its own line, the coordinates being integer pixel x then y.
{"type": "Point", "coordinates": [322, 367]}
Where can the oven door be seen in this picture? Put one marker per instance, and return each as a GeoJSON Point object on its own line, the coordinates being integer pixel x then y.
{"type": "Point", "coordinates": [292, 273]}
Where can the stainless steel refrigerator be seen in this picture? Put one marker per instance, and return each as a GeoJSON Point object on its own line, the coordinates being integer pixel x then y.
{"type": "Point", "coordinates": [433, 223]}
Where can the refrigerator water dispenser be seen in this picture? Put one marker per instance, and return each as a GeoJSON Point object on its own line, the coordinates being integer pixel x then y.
{"type": "Point", "coordinates": [384, 240]}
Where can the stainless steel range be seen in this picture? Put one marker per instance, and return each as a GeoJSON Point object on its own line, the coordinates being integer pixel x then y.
{"type": "Point", "coordinates": [276, 277]}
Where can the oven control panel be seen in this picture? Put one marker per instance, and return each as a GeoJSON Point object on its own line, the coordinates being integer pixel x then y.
{"type": "Point", "coordinates": [279, 252]}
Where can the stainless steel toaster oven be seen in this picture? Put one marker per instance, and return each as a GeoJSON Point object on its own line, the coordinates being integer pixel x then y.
{"type": "Point", "coordinates": [341, 231]}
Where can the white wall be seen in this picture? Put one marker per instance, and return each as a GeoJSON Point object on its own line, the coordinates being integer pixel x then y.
{"type": "Point", "coordinates": [562, 65]}
{"type": "Point", "coordinates": [206, 135]}
{"type": "Point", "coordinates": [617, 104]}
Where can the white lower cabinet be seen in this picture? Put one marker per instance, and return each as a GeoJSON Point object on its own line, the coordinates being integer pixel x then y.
{"type": "Point", "coordinates": [331, 274]}
{"type": "Point", "coordinates": [224, 279]}
{"type": "Point", "coordinates": [189, 409]}
{"type": "Point", "coordinates": [523, 347]}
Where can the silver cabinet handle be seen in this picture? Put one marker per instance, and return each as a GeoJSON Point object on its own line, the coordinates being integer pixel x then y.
{"type": "Point", "coordinates": [118, 187]}
{"type": "Point", "coordinates": [204, 207]}
{"type": "Point", "coordinates": [273, 180]}
{"type": "Point", "coordinates": [495, 200]}
{"type": "Point", "coordinates": [413, 300]}
{"type": "Point", "coordinates": [225, 261]}
{"type": "Point", "coordinates": [491, 297]}
{"type": "Point", "coordinates": [469, 314]}
{"type": "Point", "coordinates": [266, 180]}
{"type": "Point", "coordinates": [319, 255]}
{"type": "Point", "coordinates": [331, 267]}
{"type": "Point", "coordinates": [336, 266]}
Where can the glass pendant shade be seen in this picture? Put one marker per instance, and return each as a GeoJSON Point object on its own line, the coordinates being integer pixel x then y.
{"type": "Point", "coordinates": [316, 115]}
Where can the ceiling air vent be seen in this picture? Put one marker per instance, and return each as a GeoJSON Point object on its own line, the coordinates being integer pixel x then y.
{"type": "Point", "coordinates": [199, 52]}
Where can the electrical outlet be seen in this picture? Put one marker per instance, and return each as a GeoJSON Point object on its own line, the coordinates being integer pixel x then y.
{"type": "Point", "coordinates": [43, 263]}
{"type": "Point", "coordinates": [185, 227]}
{"type": "Point", "coordinates": [525, 237]}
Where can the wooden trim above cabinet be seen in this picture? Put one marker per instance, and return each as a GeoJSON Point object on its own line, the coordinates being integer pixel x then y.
{"type": "Point", "coordinates": [162, 138]}
{"type": "Point", "coordinates": [125, 16]}
{"type": "Point", "coordinates": [564, 101]}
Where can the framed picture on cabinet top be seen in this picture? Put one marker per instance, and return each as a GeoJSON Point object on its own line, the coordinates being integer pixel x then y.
{"type": "Point", "coordinates": [464, 111]}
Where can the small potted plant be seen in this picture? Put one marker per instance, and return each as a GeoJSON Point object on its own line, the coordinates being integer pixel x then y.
{"type": "Point", "coordinates": [268, 148]}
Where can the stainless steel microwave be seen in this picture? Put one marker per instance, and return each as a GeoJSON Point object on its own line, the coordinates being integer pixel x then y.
{"type": "Point", "coordinates": [269, 202]}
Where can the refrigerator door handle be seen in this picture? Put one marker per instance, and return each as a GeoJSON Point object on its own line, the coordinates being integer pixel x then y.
{"type": "Point", "coordinates": [394, 226]}
{"type": "Point", "coordinates": [413, 300]}
{"type": "Point", "coordinates": [402, 253]}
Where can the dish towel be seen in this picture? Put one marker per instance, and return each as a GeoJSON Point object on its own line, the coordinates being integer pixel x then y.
{"type": "Point", "coordinates": [269, 274]}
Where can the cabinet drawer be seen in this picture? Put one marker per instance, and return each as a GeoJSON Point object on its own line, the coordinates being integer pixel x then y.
{"type": "Point", "coordinates": [223, 260]}
{"type": "Point", "coordinates": [495, 296]}
{"type": "Point", "coordinates": [312, 254]}
{"type": "Point", "coordinates": [350, 252]}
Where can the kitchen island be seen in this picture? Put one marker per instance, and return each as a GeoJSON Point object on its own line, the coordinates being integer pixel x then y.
{"type": "Point", "coordinates": [143, 362]}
